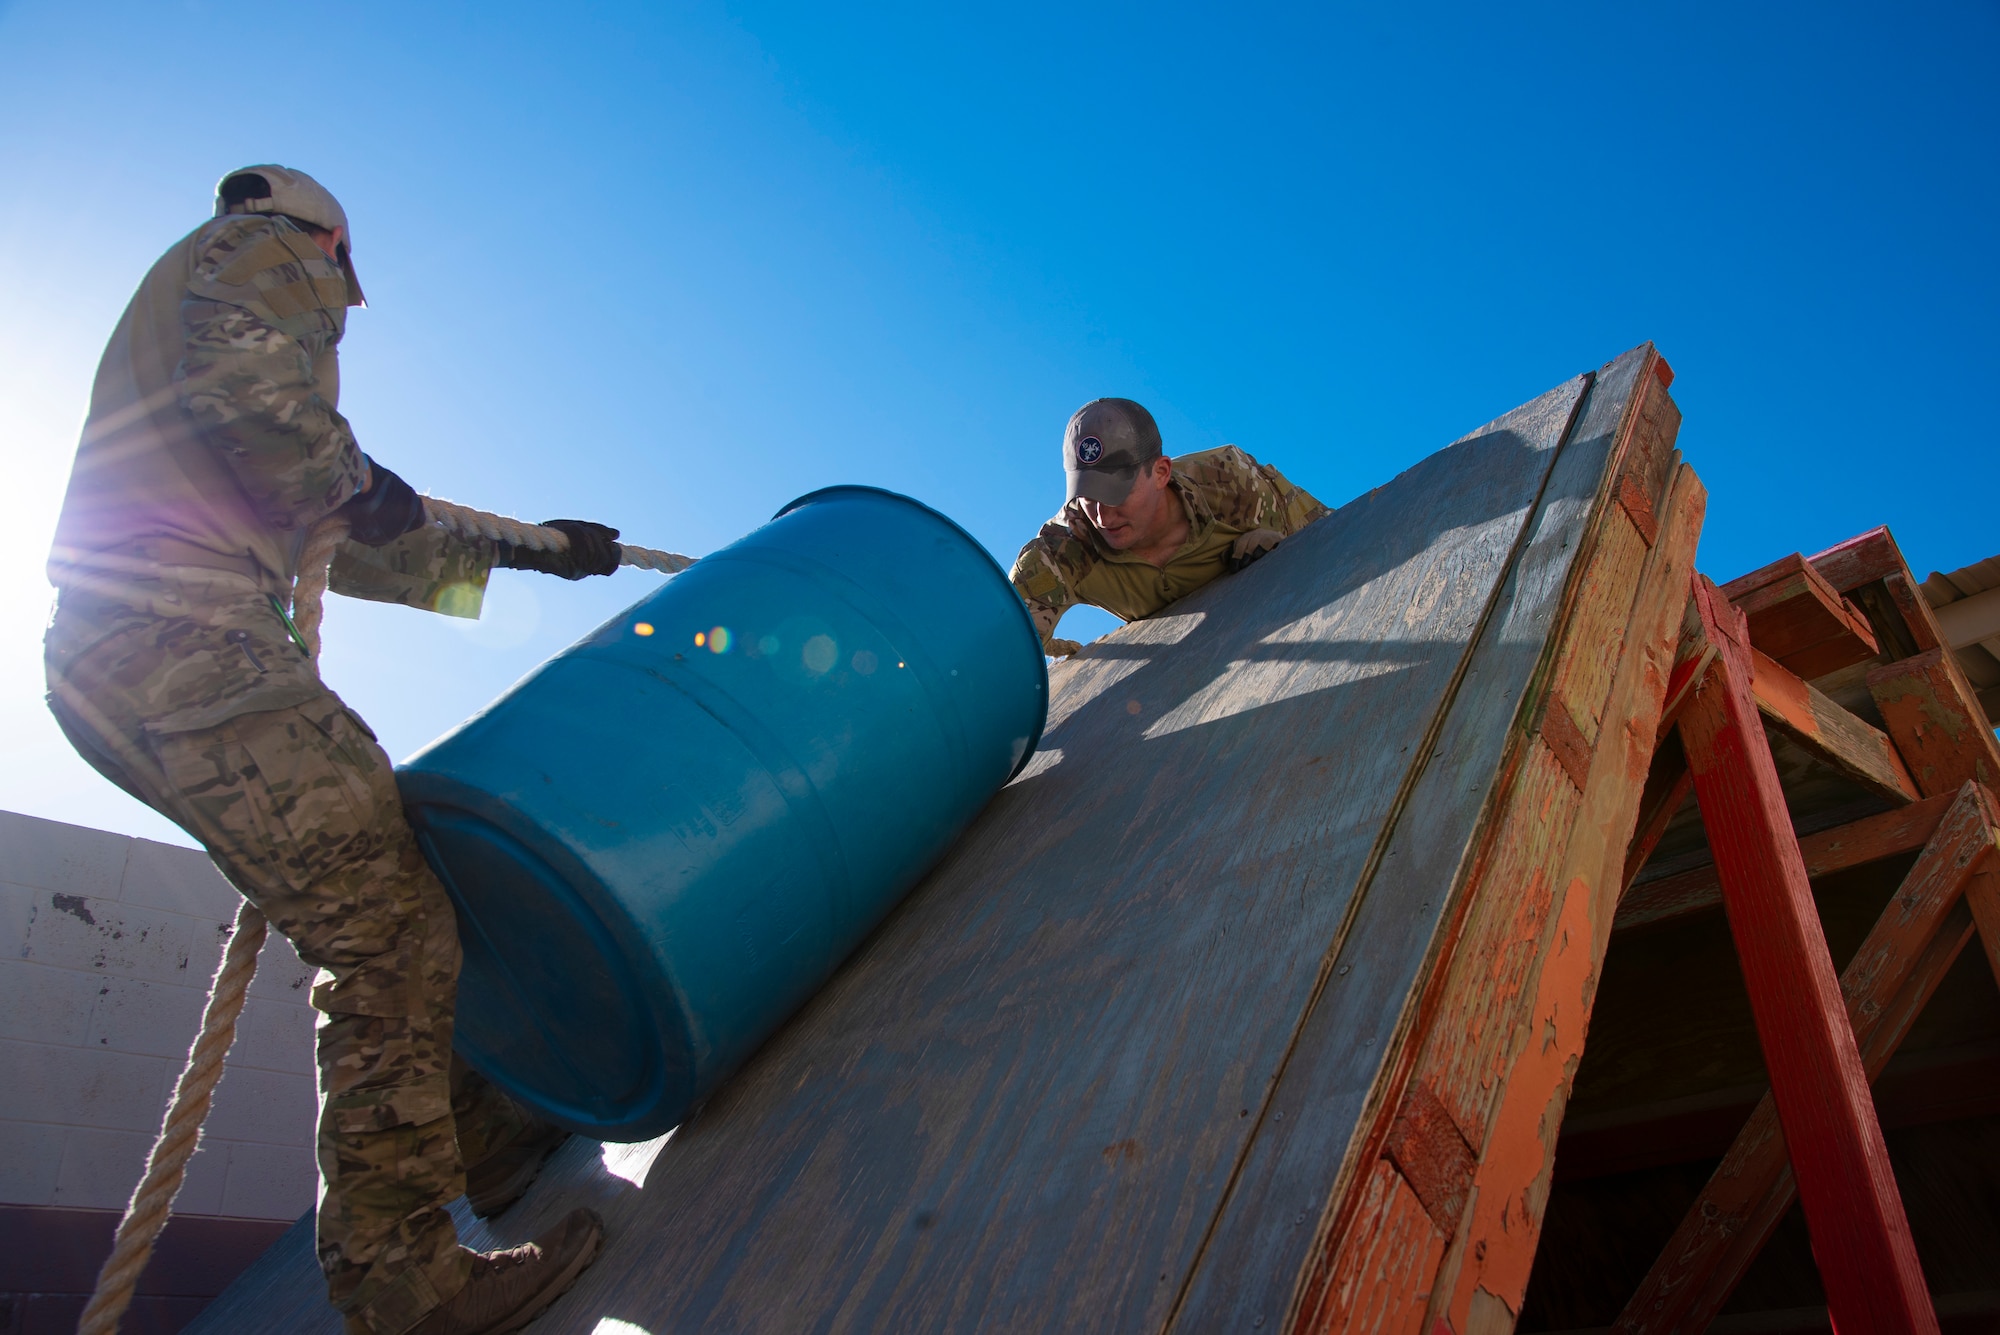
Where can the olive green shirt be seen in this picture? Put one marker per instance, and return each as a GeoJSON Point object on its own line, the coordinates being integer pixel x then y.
{"type": "Point", "coordinates": [1226, 494]}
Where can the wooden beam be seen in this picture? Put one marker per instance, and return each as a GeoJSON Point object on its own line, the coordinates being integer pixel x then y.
{"type": "Point", "coordinates": [1982, 896]}
{"type": "Point", "coordinates": [1801, 620]}
{"type": "Point", "coordinates": [1935, 721]}
{"type": "Point", "coordinates": [1913, 1090]}
{"type": "Point", "coordinates": [1668, 782]}
{"type": "Point", "coordinates": [1915, 609]}
{"type": "Point", "coordinates": [1861, 1238]}
{"type": "Point", "coordinates": [1866, 840]}
{"type": "Point", "coordinates": [1688, 672]}
{"type": "Point", "coordinates": [1970, 620]}
{"type": "Point", "coordinates": [1829, 733]}
{"type": "Point", "coordinates": [1860, 560]}
{"type": "Point", "coordinates": [1883, 990]}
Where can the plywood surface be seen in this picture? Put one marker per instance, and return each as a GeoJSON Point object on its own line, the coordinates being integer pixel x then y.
{"type": "Point", "coordinates": [1051, 1091]}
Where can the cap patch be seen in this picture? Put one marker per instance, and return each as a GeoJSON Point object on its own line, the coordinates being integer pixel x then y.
{"type": "Point", "coordinates": [1089, 450]}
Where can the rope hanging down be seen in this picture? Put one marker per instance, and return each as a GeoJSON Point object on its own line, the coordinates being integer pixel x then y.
{"type": "Point", "coordinates": [167, 1163]}
{"type": "Point", "coordinates": [180, 1133]}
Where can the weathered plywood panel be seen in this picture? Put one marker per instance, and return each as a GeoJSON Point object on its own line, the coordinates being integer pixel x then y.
{"type": "Point", "coordinates": [1024, 1102]}
{"type": "Point", "coordinates": [1332, 1075]}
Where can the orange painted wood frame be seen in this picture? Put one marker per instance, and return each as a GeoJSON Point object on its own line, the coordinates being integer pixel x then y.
{"type": "Point", "coordinates": [1860, 1235]}
{"type": "Point", "coordinates": [1884, 988]}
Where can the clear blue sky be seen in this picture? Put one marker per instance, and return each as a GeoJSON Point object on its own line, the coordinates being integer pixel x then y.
{"type": "Point", "coordinates": [670, 265]}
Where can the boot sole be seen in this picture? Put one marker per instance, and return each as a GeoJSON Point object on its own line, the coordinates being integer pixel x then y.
{"type": "Point", "coordinates": [557, 1287]}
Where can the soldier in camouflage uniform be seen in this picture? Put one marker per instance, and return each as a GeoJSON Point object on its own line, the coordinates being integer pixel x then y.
{"type": "Point", "coordinates": [1138, 530]}
{"type": "Point", "coordinates": [214, 441]}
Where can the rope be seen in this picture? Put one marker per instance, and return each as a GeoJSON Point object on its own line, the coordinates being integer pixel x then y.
{"type": "Point", "coordinates": [308, 599]}
{"type": "Point", "coordinates": [470, 523]}
{"type": "Point", "coordinates": [166, 1165]}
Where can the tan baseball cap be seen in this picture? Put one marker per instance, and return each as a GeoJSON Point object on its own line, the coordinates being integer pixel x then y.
{"type": "Point", "coordinates": [1106, 445]}
{"type": "Point", "coordinates": [269, 188]}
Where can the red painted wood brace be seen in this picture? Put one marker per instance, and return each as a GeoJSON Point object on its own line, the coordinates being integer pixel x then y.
{"type": "Point", "coordinates": [1860, 1236]}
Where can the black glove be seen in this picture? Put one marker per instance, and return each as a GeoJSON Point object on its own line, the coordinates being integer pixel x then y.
{"type": "Point", "coordinates": [593, 550]}
{"type": "Point", "coordinates": [1249, 546]}
{"type": "Point", "coordinates": [384, 512]}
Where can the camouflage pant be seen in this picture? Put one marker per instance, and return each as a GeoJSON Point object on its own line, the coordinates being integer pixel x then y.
{"type": "Point", "coordinates": [297, 804]}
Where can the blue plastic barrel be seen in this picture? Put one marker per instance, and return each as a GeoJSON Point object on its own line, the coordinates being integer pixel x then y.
{"type": "Point", "coordinates": [664, 840]}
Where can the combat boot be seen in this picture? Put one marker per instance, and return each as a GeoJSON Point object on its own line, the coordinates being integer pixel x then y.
{"type": "Point", "coordinates": [503, 1177]}
{"type": "Point", "coordinates": [509, 1289]}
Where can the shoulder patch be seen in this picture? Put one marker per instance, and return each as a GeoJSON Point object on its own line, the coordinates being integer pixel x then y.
{"type": "Point", "coordinates": [296, 298]}
{"type": "Point", "coordinates": [266, 252]}
{"type": "Point", "coordinates": [271, 263]}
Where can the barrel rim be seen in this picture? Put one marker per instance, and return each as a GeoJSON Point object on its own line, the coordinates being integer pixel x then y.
{"type": "Point", "coordinates": [1027, 619]}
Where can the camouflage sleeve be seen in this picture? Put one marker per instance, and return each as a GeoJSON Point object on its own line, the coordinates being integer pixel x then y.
{"type": "Point", "coordinates": [260, 322]}
{"type": "Point", "coordinates": [1040, 578]}
{"type": "Point", "coordinates": [1290, 507]}
{"type": "Point", "coordinates": [429, 568]}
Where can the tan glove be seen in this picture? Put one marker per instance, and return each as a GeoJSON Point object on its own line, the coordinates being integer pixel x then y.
{"type": "Point", "coordinates": [1061, 648]}
{"type": "Point", "coordinates": [1251, 546]}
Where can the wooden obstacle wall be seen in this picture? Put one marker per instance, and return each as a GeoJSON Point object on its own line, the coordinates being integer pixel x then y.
{"type": "Point", "coordinates": [1253, 1001]}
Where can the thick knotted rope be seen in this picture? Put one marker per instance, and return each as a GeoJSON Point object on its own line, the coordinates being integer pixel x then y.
{"type": "Point", "coordinates": [166, 1165]}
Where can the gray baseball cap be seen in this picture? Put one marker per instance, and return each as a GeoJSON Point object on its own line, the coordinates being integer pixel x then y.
{"type": "Point", "coordinates": [269, 188]}
{"type": "Point", "coordinates": [1108, 441]}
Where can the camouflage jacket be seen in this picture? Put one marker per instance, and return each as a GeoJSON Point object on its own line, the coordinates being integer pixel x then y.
{"type": "Point", "coordinates": [1226, 493]}
{"type": "Point", "coordinates": [215, 439]}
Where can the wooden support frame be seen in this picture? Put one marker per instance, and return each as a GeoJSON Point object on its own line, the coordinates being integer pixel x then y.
{"type": "Point", "coordinates": [1866, 840]}
{"type": "Point", "coordinates": [1668, 782]}
{"type": "Point", "coordinates": [1800, 619]}
{"type": "Point", "coordinates": [1885, 987]}
{"type": "Point", "coordinates": [1847, 744]}
{"type": "Point", "coordinates": [1934, 716]}
{"type": "Point", "coordinates": [1914, 1089]}
{"type": "Point", "coordinates": [1867, 1259]}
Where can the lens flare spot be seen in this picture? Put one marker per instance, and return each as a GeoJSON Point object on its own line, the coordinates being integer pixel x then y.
{"type": "Point", "coordinates": [460, 600]}
{"type": "Point", "coordinates": [899, 662]}
{"type": "Point", "coordinates": [700, 638]}
{"type": "Point", "coordinates": [768, 646]}
{"type": "Point", "coordinates": [718, 639]}
{"type": "Point", "coordinates": [864, 662]}
{"type": "Point", "coordinates": [820, 654]}
{"type": "Point", "coordinates": [642, 628]}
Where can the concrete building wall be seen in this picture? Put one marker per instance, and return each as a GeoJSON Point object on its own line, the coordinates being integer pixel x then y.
{"type": "Point", "coordinates": [107, 948]}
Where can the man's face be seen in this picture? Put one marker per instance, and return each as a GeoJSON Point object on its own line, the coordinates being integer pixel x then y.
{"type": "Point", "coordinates": [1145, 516]}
